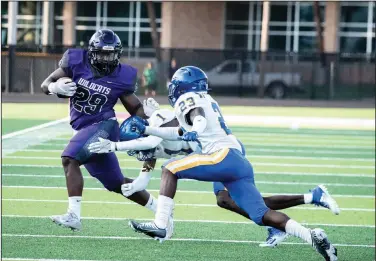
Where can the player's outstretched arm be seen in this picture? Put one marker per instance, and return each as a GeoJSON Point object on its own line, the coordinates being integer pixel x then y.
{"type": "Point", "coordinates": [141, 182]}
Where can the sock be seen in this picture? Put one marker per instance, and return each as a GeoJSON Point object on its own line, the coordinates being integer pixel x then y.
{"type": "Point", "coordinates": [152, 204]}
{"type": "Point", "coordinates": [75, 205]}
{"type": "Point", "coordinates": [164, 211]}
{"type": "Point", "coordinates": [295, 229]}
{"type": "Point", "coordinates": [308, 198]}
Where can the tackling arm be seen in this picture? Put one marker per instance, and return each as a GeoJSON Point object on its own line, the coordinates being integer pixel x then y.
{"type": "Point", "coordinates": [139, 144]}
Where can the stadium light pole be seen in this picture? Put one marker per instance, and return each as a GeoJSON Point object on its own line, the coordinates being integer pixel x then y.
{"type": "Point", "coordinates": [12, 41]}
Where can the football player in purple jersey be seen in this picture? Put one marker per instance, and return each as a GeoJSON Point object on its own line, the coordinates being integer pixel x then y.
{"type": "Point", "coordinates": [94, 80]}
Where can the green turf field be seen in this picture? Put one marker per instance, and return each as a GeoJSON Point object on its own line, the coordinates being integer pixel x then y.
{"type": "Point", "coordinates": [285, 161]}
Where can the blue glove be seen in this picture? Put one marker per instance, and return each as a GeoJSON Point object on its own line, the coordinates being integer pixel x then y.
{"type": "Point", "coordinates": [138, 125]}
{"type": "Point", "coordinates": [190, 136]}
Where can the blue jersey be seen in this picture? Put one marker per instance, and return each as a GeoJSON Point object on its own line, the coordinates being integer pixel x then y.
{"type": "Point", "coordinates": [95, 97]}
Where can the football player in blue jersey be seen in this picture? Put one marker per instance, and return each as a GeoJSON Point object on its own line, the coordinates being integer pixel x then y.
{"type": "Point", "coordinates": [94, 80]}
{"type": "Point", "coordinates": [219, 160]}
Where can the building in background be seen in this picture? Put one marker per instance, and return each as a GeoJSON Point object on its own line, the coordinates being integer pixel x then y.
{"type": "Point", "coordinates": [347, 26]}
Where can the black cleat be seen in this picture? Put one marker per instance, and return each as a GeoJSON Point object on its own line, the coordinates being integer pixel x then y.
{"type": "Point", "coordinates": [149, 229]}
{"type": "Point", "coordinates": [321, 243]}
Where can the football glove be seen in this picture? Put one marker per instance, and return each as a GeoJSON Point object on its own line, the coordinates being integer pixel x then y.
{"type": "Point", "coordinates": [150, 105]}
{"type": "Point", "coordinates": [64, 87]}
{"type": "Point", "coordinates": [189, 136]}
{"type": "Point", "coordinates": [102, 146]}
{"type": "Point", "coordinates": [140, 183]}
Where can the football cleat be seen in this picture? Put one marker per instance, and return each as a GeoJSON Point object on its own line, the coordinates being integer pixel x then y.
{"type": "Point", "coordinates": [322, 245]}
{"type": "Point", "coordinates": [275, 236]}
{"type": "Point", "coordinates": [321, 197]}
{"type": "Point", "coordinates": [68, 220]}
{"type": "Point", "coordinates": [149, 229]}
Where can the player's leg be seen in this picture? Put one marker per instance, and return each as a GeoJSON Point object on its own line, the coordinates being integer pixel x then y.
{"type": "Point", "coordinates": [247, 197]}
{"type": "Point", "coordinates": [106, 168]}
{"type": "Point", "coordinates": [225, 201]}
{"type": "Point", "coordinates": [73, 156]}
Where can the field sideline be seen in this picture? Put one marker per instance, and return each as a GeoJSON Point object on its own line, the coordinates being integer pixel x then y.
{"type": "Point", "coordinates": [286, 160]}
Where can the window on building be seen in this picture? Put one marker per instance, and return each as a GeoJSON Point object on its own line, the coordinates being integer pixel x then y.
{"type": "Point", "coordinates": [356, 30]}
{"type": "Point", "coordinates": [243, 25]}
{"type": "Point", "coordinates": [4, 22]}
{"type": "Point", "coordinates": [29, 22]}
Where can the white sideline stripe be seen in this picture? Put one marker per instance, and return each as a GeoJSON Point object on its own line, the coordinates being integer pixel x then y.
{"type": "Point", "coordinates": [38, 127]}
{"type": "Point", "coordinates": [191, 180]}
{"type": "Point", "coordinates": [196, 221]}
{"type": "Point", "coordinates": [254, 163]}
{"type": "Point", "coordinates": [172, 239]}
{"type": "Point", "coordinates": [257, 150]}
{"type": "Point", "coordinates": [184, 191]}
{"type": "Point", "coordinates": [261, 144]}
{"type": "Point", "coordinates": [259, 173]}
{"type": "Point", "coordinates": [43, 259]}
{"type": "Point", "coordinates": [178, 204]}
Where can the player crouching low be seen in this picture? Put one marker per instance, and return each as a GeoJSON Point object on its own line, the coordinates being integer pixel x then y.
{"type": "Point", "coordinates": [151, 147]}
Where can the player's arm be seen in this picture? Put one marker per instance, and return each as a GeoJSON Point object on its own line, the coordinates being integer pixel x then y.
{"type": "Point", "coordinates": [142, 181]}
{"type": "Point", "coordinates": [133, 105]}
{"type": "Point", "coordinates": [147, 143]}
{"type": "Point", "coordinates": [196, 118]}
{"type": "Point", "coordinates": [63, 89]}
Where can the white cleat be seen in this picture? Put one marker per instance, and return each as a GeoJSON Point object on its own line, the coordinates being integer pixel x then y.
{"type": "Point", "coordinates": [321, 197]}
{"type": "Point", "coordinates": [68, 220]}
{"type": "Point", "coordinates": [275, 237]}
{"type": "Point", "coordinates": [322, 245]}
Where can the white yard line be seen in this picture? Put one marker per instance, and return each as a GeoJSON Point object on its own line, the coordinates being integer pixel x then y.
{"type": "Point", "coordinates": [191, 180]}
{"type": "Point", "coordinates": [34, 128]}
{"type": "Point", "coordinates": [172, 239]}
{"type": "Point", "coordinates": [178, 204]}
{"type": "Point", "coordinates": [334, 146]}
{"type": "Point", "coordinates": [181, 191]}
{"type": "Point", "coordinates": [256, 157]}
{"type": "Point", "coordinates": [258, 173]}
{"type": "Point", "coordinates": [340, 166]}
{"type": "Point", "coordinates": [342, 152]}
{"type": "Point", "coordinates": [194, 221]}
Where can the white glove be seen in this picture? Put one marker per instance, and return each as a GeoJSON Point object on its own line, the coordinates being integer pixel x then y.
{"type": "Point", "coordinates": [102, 146]}
{"type": "Point", "coordinates": [140, 183]}
{"type": "Point", "coordinates": [150, 106]}
{"type": "Point", "coordinates": [64, 87]}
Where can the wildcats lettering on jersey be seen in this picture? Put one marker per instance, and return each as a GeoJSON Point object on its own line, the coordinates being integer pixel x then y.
{"type": "Point", "coordinates": [94, 86]}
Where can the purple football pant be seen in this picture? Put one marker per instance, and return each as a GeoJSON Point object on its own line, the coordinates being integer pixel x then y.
{"type": "Point", "coordinates": [104, 167]}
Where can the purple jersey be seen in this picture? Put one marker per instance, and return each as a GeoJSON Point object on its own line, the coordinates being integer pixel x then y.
{"type": "Point", "coordinates": [95, 97]}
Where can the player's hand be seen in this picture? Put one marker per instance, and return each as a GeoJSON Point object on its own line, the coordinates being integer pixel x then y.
{"type": "Point", "coordinates": [102, 146]}
{"type": "Point", "coordinates": [189, 136]}
{"type": "Point", "coordinates": [150, 105]}
{"type": "Point", "coordinates": [137, 125]}
{"type": "Point", "coordinates": [63, 87]}
{"type": "Point", "coordinates": [140, 183]}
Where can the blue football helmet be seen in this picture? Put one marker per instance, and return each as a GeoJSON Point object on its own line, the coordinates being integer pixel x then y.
{"type": "Point", "coordinates": [186, 79]}
{"type": "Point", "coordinates": [126, 133]}
{"type": "Point", "coordinates": [104, 51]}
